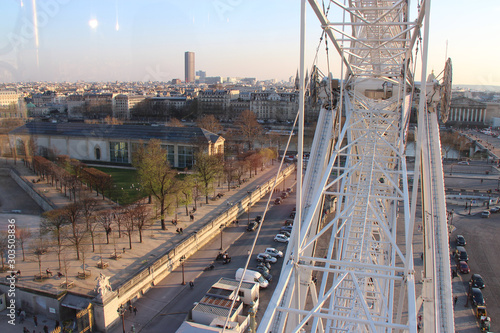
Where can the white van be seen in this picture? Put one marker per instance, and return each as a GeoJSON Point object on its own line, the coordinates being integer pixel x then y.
{"type": "Point", "coordinates": [251, 276]}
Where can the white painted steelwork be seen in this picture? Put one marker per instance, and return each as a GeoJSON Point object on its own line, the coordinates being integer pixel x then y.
{"type": "Point", "coordinates": [363, 280]}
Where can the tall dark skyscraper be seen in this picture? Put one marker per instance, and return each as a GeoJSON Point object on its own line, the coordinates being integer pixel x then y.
{"type": "Point", "coordinates": [189, 66]}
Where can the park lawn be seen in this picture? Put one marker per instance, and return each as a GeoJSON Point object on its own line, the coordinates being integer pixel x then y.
{"type": "Point", "coordinates": [125, 188]}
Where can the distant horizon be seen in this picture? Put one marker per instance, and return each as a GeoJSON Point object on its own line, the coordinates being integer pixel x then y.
{"type": "Point", "coordinates": [142, 41]}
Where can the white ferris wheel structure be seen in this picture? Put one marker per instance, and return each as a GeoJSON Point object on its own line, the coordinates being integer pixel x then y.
{"type": "Point", "coordinates": [349, 265]}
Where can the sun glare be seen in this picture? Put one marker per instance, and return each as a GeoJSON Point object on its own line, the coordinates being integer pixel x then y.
{"type": "Point", "coordinates": [93, 23]}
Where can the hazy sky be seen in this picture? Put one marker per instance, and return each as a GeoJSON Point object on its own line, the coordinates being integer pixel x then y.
{"type": "Point", "coordinates": [140, 40]}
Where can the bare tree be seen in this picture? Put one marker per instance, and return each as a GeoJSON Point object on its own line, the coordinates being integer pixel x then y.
{"type": "Point", "coordinates": [254, 161]}
{"type": "Point", "coordinates": [88, 209]}
{"type": "Point", "coordinates": [174, 122]}
{"type": "Point", "coordinates": [229, 172]}
{"type": "Point", "coordinates": [79, 238]}
{"type": "Point", "coordinates": [242, 167]}
{"type": "Point", "coordinates": [65, 267]}
{"type": "Point", "coordinates": [39, 249]}
{"type": "Point", "coordinates": [105, 220]}
{"type": "Point", "coordinates": [119, 219]}
{"type": "Point", "coordinates": [142, 218]}
{"type": "Point", "coordinates": [210, 123]}
{"type": "Point", "coordinates": [53, 221]}
{"type": "Point", "coordinates": [23, 235]}
{"type": "Point", "coordinates": [84, 245]}
{"type": "Point", "coordinates": [248, 126]}
{"type": "Point", "coordinates": [128, 223]}
{"type": "Point", "coordinates": [93, 223]}
{"type": "Point", "coordinates": [207, 168]}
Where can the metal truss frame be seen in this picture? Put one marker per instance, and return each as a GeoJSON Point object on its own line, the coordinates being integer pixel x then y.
{"type": "Point", "coordinates": [364, 280]}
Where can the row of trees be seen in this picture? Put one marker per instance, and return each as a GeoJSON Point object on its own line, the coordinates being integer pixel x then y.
{"type": "Point", "coordinates": [71, 180]}
{"type": "Point", "coordinates": [82, 225]}
{"type": "Point", "coordinates": [160, 181]}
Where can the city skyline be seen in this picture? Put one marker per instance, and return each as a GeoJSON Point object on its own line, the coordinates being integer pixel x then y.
{"type": "Point", "coordinates": [146, 41]}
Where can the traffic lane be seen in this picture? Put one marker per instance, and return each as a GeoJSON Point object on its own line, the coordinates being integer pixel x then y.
{"type": "Point", "coordinates": [482, 248]}
{"type": "Point", "coordinates": [175, 311]}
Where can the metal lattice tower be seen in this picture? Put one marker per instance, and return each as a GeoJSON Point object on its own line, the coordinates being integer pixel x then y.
{"type": "Point", "coordinates": [363, 279]}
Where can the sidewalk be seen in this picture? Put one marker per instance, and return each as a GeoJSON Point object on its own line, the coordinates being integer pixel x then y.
{"type": "Point", "coordinates": [156, 241]}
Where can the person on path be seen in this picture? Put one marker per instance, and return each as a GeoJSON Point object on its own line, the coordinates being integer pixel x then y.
{"type": "Point", "coordinates": [46, 329]}
{"type": "Point", "coordinates": [191, 284]}
{"type": "Point", "coordinates": [455, 299]}
{"type": "Point", "coordinates": [35, 319]}
{"type": "Point", "coordinates": [22, 316]}
{"type": "Point", "coordinates": [135, 311]}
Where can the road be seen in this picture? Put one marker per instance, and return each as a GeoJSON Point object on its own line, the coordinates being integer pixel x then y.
{"type": "Point", "coordinates": [482, 248]}
{"type": "Point", "coordinates": [174, 312]}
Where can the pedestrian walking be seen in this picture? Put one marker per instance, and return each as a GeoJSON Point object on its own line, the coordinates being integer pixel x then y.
{"type": "Point", "coordinates": [57, 324]}
{"type": "Point", "coordinates": [130, 308]}
{"type": "Point", "coordinates": [455, 300]}
{"type": "Point", "coordinates": [191, 217]}
{"type": "Point", "coordinates": [132, 329]}
{"type": "Point", "coordinates": [22, 316]}
{"type": "Point", "coordinates": [135, 311]}
{"type": "Point", "coordinates": [191, 284]}
{"type": "Point", "coordinates": [46, 329]}
{"type": "Point", "coordinates": [35, 319]}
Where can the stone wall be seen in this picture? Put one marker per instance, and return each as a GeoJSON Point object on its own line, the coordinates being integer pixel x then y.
{"type": "Point", "coordinates": [149, 276]}
{"type": "Point", "coordinates": [28, 188]}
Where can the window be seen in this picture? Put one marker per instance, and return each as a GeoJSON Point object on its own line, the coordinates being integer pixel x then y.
{"type": "Point", "coordinates": [170, 154]}
{"type": "Point", "coordinates": [97, 153]}
{"type": "Point", "coordinates": [185, 155]}
{"type": "Point", "coordinates": [118, 152]}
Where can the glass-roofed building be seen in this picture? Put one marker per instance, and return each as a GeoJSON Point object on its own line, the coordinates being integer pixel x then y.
{"type": "Point", "coordinates": [115, 144]}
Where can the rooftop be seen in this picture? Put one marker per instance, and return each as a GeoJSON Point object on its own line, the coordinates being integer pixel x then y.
{"type": "Point", "coordinates": [171, 134]}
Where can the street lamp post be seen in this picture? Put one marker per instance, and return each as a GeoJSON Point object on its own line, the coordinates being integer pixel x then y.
{"type": "Point", "coordinates": [183, 258]}
{"type": "Point", "coordinates": [221, 227]}
{"type": "Point", "coordinates": [121, 312]}
{"type": "Point", "coordinates": [248, 213]}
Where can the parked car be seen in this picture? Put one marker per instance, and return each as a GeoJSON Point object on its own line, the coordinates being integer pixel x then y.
{"type": "Point", "coordinates": [288, 222]}
{"type": "Point", "coordinates": [476, 281]}
{"type": "Point", "coordinates": [274, 252]}
{"type": "Point", "coordinates": [278, 201]}
{"type": "Point", "coordinates": [292, 215]}
{"type": "Point", "coordinates": [485, 214]}
{"type": "Point", "coordinates": [461, 254]}
{"type": "Point", "coordinates": [258, 218]}
{"type": "Point", "coordinates": [266, 274]}
{"type": "Point", "coordinates": [287, 228]}
{"type": "Point", "coordinates": [286, 233]}
{"type": "Point", "coordinates": [463, 268]}
{"type": "Point", "coordinates": [260, 268]}
{"type": "Point", "coordinates": [281, 238]}
{"type": "Point", "coordinates": [252, 226]}
{"type": "Point", "coordinates": [495, 209]}
{"type": "Point", "coordinates": [266, 258]}
{"type": "Point", "coordinates": [284, 195]}
{"type": "Point", "coordinates": [289, 190]}
{"type": "Point", "coordinates": [265, 265]}
{"type": "Point", "coordinates": [460, 240]}
{"type": "Point", "coordinates": [477, 296]}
